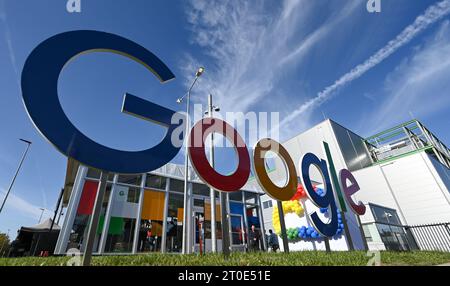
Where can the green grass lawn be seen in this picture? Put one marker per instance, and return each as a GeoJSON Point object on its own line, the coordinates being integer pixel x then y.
{"type": "Point", "coordinates": [306, 258]}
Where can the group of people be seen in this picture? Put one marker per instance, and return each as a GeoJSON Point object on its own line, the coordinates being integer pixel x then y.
{"type": "Point", "coordinates": [254, 238]}
{"type": "Point", "coordinates": [147, 240]}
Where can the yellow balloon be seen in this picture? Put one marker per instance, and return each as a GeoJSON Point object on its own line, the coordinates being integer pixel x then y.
{"type": "Point", "coordinates": [288, 207]}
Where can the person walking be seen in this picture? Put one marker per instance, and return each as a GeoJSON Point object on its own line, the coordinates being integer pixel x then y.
{"type": "Point", "coordinates": [254, 238]}
{"type": "Point", "coordinates": [273, 241]}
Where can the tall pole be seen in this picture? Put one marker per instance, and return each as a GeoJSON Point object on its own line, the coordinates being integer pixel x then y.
{"type": "Point", "coordinates": [225, 226]}
{"type": "Point", "coordinates": [186, 216]}
{"type": "Point", "coordinates": [283, 226]}
{"type": "Point", "coordinates": [17, 172]}
{"type": "Point", "coordinates": [60, 215]}
{"type": "Point", "coordinates": [94, 219]}
{"type": "Point", "coordinates": [186, 249]}
{"type": "Point", "coordinates": [58, 204]}
{"type": "Point", "coordinates": [212, 193]}
{"type": "Point", "coordinates": [42, 213]}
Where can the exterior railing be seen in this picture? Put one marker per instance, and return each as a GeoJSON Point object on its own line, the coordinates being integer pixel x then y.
{"type": "Point", "coordinates": [431, 237]}
{"type": "Point", "coordinates": [404, 139]}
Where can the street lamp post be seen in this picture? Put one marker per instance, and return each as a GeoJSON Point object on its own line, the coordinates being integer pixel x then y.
{"type": "Point", "coordinates": [17, 172]}
{"type": "Point", "coordinates": [185, 246]}
{"type": "Point", "coordinates": [212, 193]}
{"type": "Point", "coordinates": [42, 213]}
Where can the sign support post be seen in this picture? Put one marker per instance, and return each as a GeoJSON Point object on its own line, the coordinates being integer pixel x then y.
{"type": "Point", "coordinates": [94, 219]}
{"type": "Point", "coordinates": [225, 227]}
{"type": "Point", "coordinates": [211, 190]}
{"type": "Point", "coordinates": [283, 227]}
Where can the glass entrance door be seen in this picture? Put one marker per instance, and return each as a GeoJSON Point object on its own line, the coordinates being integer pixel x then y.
{"type": "Point", "coordinates": [237, 230]}
{"type": "Point", "coordinates": [199, 219]}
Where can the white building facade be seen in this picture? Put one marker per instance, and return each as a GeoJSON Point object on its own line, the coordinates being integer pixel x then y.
{"type": "Point", "coordinates": [405, 169]}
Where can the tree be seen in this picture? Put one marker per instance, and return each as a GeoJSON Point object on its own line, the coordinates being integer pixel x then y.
{"type": "Point", "coordinates": [4, 244]}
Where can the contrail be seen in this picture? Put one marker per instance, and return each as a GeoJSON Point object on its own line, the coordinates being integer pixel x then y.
{"type": "Point", "coordinates": [433, 14]}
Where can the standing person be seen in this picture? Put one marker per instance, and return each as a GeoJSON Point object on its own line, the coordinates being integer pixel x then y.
{"type": "Point", "coordinates": [150, 240]}
{"type": "Point", "coordinates": [254, 237]}
{"type": "Point", "coordinates": [273, 241]}
{"type": "Point", "coordinates": [142, 237]}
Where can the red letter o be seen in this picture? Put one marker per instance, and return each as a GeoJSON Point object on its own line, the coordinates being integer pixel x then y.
{"type": "Point", "coordinates": [197, 154]}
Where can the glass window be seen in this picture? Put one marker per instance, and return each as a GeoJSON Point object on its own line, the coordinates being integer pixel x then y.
{"type": "Point", "coordinates": [207, 223]}
{"type": "Point", "coordinates": [384, 215]}
{"type": "Point", "coordinates": [124, 211]}
{"type": "Point", "coordinates": [130, 179]}
{"type": "Point", "coordinates": [175, 223]}
{"type": "Point", "coordinates": [387, 236]}
{"type": "Point", "coordinates": [152, 217]}
{"type": "Point", "coordinates": [367, 234]}
{"type": "Point", "coordinates": [84, 212]}
{"type": "Point", "coordinates": [251, 198]}
{"type": "Point", "coordinates": [252, 216]}
{"type": "Point", "coordinates": [177, 186]}
{"type": "Point", "coordinates": [236, 208]}
{"type": "Point", "coordinates": [200, 189]}
{"type": "Point", "coordinates": [237, 229]}
{"type": "Point", "coordinates": [267, 204]}
{"type": "Point", "coordinates": [155, 182]}
{"type": "Point", "coordinates": [236, 196]}
{"type": "Point", "coordinates": [401, 237]}
{"type": "Point", "coordinates": [199, 203]}
{"type": "Point", "coordinates": [95, 174]}
{"type": "Point", "coordinates": [133, 195]}
{"type": "Point", "coordinates": [120, 235]}
{"type": "Point", "coordinates": [199, 228]}
{"type": "Point", "coordinates": [352, 148]}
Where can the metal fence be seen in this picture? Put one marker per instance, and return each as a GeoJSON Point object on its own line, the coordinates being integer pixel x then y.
{"type": "Point", "coordinates": [433, 237]}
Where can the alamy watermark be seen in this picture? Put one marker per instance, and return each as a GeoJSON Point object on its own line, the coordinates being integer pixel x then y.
{"type": "Point", "coordinates": [375, 258]}
{"type": "Point", "coordinates": [250, 126]}
{"type": "Point", "coordinates": [374, 6]}
{"type": "Point", "coordinates": [73, 6]}
{"type": "Point", "coordinates": [75, 255]}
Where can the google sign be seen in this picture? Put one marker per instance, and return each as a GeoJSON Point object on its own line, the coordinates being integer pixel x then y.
{"type": "Point", "coordinates": [39, 90]}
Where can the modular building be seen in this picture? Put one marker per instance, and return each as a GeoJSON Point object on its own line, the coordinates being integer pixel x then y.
{"type": "Point", "coordinates": [144, 213]}
{"type": "Point", "coordinates": [403, 173]}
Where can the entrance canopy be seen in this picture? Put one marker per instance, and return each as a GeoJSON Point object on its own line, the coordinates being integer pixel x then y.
{"type": "Point", "coordinates": [42, 227]}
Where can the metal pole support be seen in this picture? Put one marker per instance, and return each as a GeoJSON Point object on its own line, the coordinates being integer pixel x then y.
{"type": "Point", "coordinates": [94, 219]}
{"type": "Point", "coordinates": [283, 227]}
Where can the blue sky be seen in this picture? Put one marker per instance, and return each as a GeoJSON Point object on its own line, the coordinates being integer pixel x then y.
{"type": "Point", "coordinates": [304, 59]}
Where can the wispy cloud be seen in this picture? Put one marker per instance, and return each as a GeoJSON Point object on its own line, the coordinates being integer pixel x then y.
{"type": "Point", "coordinates": [321, 32]}
{"type": "Point", "coordinates": [8, 40]}
{"type": "Point", "coordinates": [252, 47]}
{"type": "Point", "coordinates": [22, 206]}
{"type": "Point", "coordinates": [419, 84]}
{"type": "Point", "coordinates": [433, 14]}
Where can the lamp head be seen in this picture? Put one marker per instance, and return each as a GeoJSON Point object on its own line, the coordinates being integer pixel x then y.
{"type": "Point", "coordinates": [26, 141]}
{"type": "Point", "coordinates": [200, 71]}
{"type": "Point", "coordinates": [179, 100]}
